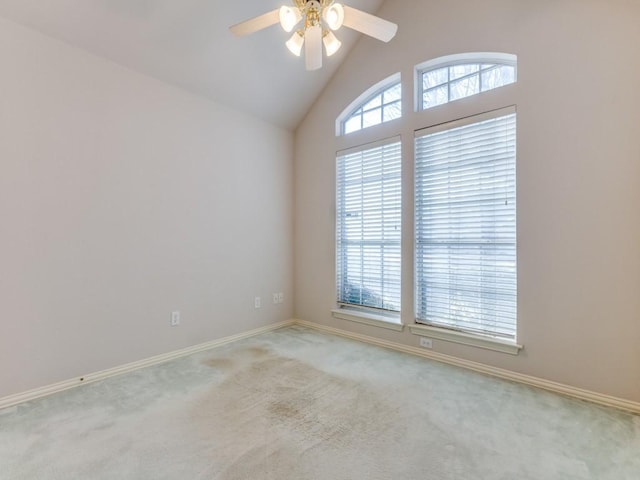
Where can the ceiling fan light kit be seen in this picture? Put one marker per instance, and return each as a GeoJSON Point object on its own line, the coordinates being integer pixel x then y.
{"type": "Point", "coordinates": [331, 43]}
{"type": "Point", "coordinates": [289, 17]}
{"type": "Point", "coordinates": [333, 16]}
{"type": "Point", "coordinates": [294, 44]}
{"type": "Point", "coordinates": [319, 20]}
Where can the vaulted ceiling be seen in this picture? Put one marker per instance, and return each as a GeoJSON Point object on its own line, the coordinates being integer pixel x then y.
{"type": "Point", "coordinates": [187, 43]}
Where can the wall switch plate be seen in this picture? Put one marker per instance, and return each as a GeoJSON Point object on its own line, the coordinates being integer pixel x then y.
{"type": "Point", "coordinates": [426, 342]}
{"type": "Point", "coordinates": [175, 319]}
{"type": "Point", "coordinates": [257, 302]}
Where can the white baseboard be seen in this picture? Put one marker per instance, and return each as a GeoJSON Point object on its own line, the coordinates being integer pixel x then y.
{"type": "Point", "coordinates": [562, 389]}
{"type": "Point", "coordinates": [555, 387]}
{"type": "Point", "coordinates": [34, 394]}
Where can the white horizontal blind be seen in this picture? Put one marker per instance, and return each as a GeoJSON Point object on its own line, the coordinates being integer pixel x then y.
{"type": "Point", "coordinates": [368, 226]}
{"type": "Point", "coordinates": [466, 226]}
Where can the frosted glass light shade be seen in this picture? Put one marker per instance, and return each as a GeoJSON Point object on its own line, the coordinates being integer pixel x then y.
{"type": "Point", "coordinates": [289, 17]}
{"type": "Point", "coordinates": [334, 16]}
{"type": "Point", "coordinates": [294, 44]}
{"type": "Point", "coordinates": [331, 43]}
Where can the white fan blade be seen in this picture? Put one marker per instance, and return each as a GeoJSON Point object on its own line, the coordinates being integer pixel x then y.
{"type": "Point", "coordinates": [256, 24]}
{"type": "Point", "coordinates": [313, 47]}
{"type": "Point", "coordinates": [368, 24]}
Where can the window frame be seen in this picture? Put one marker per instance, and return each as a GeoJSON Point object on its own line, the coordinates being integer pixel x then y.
{"type": "Point", "coordinates": [473, 58]}
{"type": "Point", "coordinates": [366, 97]}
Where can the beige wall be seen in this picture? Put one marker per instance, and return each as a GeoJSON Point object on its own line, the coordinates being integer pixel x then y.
{"type": "Point", "coordinates": [578, 176]}
{"type": "Point", "coordinates": [122, 199]}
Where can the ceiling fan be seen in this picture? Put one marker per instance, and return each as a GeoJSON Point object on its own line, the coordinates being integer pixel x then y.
{"type": "Point", "coordinates": [318, 20]}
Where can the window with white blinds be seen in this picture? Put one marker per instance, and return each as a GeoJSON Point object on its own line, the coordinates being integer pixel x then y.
{"type": "Point", "coordinates": [465, 225]}
{"type": "Point", "coordinates": [368, 225]}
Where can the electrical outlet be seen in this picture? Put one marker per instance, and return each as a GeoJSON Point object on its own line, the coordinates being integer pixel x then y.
{"type": "Point", "coordinates": [175, 319]}
{"type": "Point", "coordinates": [426, 342]}
{"type": "Point", "coordinates": [257, 302]}
{"type": "Point", "coordinates": [275, 298]}
{"type": "Point", "coordinates": [280, 297]}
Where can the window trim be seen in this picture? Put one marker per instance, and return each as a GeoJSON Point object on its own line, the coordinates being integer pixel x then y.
{"type": "Point", "coordinates": [507, 59]}
{"type": "Point", "coordinates": [388, 320]}
{"type": "Point", "coordinates": [464, 338]}
{"type": "Point", "coordinates": [363, 99]}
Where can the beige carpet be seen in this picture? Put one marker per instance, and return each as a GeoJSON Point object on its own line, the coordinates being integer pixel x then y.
{"type": "Point", "coordinates": [296, 404]}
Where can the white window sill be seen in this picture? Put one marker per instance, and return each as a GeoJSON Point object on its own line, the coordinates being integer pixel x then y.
{"type": "Point", "coordinates": [390, 322]}
{"type": "Point", "coordinates": [488, 343]}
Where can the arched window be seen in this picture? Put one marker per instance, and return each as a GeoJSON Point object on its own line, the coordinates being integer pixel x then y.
{"type": "Point", "coordinates": [380, 103]}
{"type": "Point", "coordinates": [464, 204]}
{"type": "Point", "coordinates": [451, 78]}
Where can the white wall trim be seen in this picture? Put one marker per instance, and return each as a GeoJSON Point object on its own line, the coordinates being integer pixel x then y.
{"type": "Point", "coordinates": [462, 338]}
{"type": "Point", "coordinates": [382, 321]}
{"type": "Point", "coordinates": [594, 397]}
{"type": "Point", "coordinates": [34, 394]}
{"type": "Point", "coordinates": [555, 387]}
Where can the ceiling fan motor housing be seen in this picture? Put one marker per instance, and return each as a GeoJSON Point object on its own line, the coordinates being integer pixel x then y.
{"type": "Point", "coordinates": [312, 14]}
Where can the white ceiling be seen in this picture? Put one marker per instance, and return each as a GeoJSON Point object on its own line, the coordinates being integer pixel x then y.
{"type": "Point", "coordinates": [187, 43]}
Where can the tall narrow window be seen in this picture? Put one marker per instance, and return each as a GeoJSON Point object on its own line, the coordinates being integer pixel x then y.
{"type": "Point", "coordinates": [368, 226]}
{"type": "Point", "coordinates": [465, 224]}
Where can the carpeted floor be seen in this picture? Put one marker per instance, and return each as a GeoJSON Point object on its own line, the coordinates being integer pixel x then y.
{"type": "Point", "coordinates": [296, 404]}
